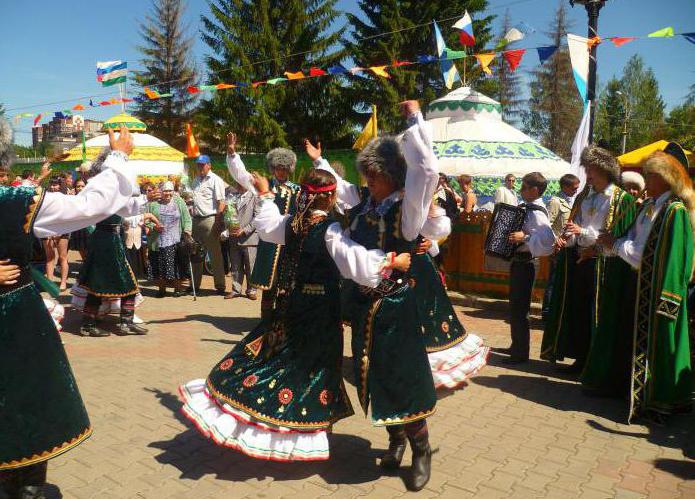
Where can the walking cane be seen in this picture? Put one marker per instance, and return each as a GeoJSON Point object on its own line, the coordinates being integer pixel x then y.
{"type": "Point", "coordinates": [190, 269]}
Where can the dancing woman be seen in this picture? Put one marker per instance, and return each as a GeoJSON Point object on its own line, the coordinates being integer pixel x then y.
{"type": "Point", "coordinates": [277, 393]}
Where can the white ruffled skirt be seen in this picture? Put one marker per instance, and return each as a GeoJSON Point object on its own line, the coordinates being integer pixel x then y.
{"type": "Point", "coordinates": [108, 305]}
{"type": "Point", "coordinates": [232, 428]}
{"type": "Point", "coordinates": [56, 310]}
{"type": "Point", "coordinates": [453, 366]}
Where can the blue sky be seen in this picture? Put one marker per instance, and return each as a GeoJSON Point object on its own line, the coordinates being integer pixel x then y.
{"type": "Point", "coordinates": [49, 49]}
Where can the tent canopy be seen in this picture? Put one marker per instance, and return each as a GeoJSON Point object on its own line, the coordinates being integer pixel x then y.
{"type": "Point", "coordinates": [124, 120]}
{"type": "Point", "coordinates": [633, 159]}
{"type": "Point", "coordinates": [470, 137]}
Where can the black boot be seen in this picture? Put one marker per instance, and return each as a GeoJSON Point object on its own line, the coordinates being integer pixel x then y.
{"type": "Point", "coordinates": [32, 480]}
{"type": "Point", "coordinates": [422, 461]}
{"type": "Point", "coordinates": [89, 328]}
{"type": "Point", "coordinates": [127, 327]}
{"type": "Point", "coordinates": [392, 458]}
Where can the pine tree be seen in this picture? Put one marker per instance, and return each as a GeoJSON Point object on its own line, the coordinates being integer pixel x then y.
{"type": "Point", "coordinates": [167, 69]}
{"type": "Point", "coordinates": [260, 40]}
{"type": "Point", "coordinates": [610, 116]}
{"type": "Point", "coordinates": [555, 107]}
{"type": "Point", "coordinates": [509, 92]}
{"type": "Point", "coordinates": [646, 107]}
{"type": "Point", "coordinates": [680, 123]}
{"type": "Point", "coordinates": [368, 48]}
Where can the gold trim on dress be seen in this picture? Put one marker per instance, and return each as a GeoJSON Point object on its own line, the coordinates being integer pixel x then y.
{"type": "Point", "coordinates": [366, 353]}
{"type": "Point", "coordinates": [36, 203]}
{"type": "Point", "coordinates": [448, 345]}
{"type": "Point", "coordinates": [405, 419]}
{"type": "Point", "coordinates": [48, 454]}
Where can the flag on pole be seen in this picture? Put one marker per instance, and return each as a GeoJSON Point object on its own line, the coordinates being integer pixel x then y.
{"type": "Point", "coordinates": [368, 133]}
{"type": "Point", "coordinates": [465, 27]}
{"type": "Point", "coordinates": [192, 150]}
{"type": "Point", "coordinates": [111, 72]}
{"type": "Point", "coordinates": [513, 58]}
{"type": "Point", "coordinates": [662, 33]}
{"type": "Point", "coordinates": [84, 147]}
{"type": "Point", "coordinates": [513, 35]}
{"type": "Point", "coordinates": [621, 40]}
{"type": "Point", "coordinates": [451, 74]}
{"type": "Point", "coordinates": [581, 140]}
{"type": "Point", "coordinates": [579, 56]}
{"type": "Point", "coordinates": [545, 53]}
{"type": "Point", "coordinates": [484, 60]}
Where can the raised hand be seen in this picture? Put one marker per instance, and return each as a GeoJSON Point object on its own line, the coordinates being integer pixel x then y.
{"type": "Point", "coordinates": [260, 183]}
{"type": "Point", "coordinates": [231, 142]}
{"type": "Point", "coordinates": [314, 152]}
{"type": "Point", "coordinates": [124, 142]}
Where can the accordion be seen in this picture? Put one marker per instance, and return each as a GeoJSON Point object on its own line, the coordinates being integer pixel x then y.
{"type": "Point", "coordinates": [505, 220]}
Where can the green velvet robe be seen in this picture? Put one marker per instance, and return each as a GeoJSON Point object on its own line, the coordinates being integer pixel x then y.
{"type": "Point", "coordinates": [556, 335]}
{"type": "Point", "coordinates": [41, 410]}
{"type": "Point", "coordinates": [661, 377]}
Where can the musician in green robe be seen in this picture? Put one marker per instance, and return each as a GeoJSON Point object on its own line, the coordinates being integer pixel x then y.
{"type": "Point", "coordinates": [660, 247]}
{"type": "Point", "coordinates": [580, 289]}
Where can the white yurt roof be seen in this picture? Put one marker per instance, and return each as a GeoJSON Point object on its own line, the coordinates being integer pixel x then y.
{"type": "Point", "coordinates": [470, 137]}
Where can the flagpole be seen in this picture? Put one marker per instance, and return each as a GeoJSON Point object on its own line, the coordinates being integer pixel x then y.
{"type": "Point", "coordinates": [121, 91]}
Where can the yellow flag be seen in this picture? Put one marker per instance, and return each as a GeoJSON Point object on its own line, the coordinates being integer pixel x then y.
{"type": "Point", "coordinates": [485, 60]}
{"type": "Point", "coordinates": [369, 132]}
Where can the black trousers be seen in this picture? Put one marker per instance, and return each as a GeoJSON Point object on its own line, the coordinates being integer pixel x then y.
{"type": "Point", "coordinates": [28, 476]}
{"type": "Point", "coordinates": [583, 291]}
{"type": "Point", "coordinates": [521, 277]}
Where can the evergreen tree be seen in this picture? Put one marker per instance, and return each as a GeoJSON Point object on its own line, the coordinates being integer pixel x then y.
{"type": "Point", "coordinates": [555, 107]}
{"type": "Point", "coordinates": [610, 116]}
{"type": "Point", "coordinates": [2, 110]}
{"type": "Point", "coordinates": [260, 40]}
{"type": "Point", "coordinates": [367, 48]}
{"type": "Point", "coordinates": [509, 92]}
{"type": "Point", "coordinates": [168, 69]}
{"type": "Point", "coordinates": [680, 123]}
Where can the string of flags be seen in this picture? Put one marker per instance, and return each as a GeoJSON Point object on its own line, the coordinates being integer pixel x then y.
{"type": "Point", "coordinates": [115, 72]}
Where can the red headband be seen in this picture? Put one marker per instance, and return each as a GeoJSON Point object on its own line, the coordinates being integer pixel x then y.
{"type": "Point", "coordinates": [312, 189]}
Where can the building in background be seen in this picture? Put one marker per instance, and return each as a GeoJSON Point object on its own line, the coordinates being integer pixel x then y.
{"type": "Point", "coordinates": [64, 132]}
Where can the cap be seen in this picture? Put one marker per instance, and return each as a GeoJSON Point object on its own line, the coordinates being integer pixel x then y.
{"type": "Point", "coordinates": [203, 159]}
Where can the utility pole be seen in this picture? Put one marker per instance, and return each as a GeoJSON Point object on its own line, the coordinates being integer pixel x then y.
{"type": "Point", "coordinates": [626, 116]}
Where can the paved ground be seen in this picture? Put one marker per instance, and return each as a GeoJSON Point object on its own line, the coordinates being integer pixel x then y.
{"type": "Point", "coordinates": [524, 433]}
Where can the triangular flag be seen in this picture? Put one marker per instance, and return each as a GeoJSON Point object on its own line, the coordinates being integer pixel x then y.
{"type": "Point", "coordinates": [105, 103]}
{"type": "Point", "coordinates": [192, 150]}
{"type": "Point", "coordinates": [484, 60]}
{"type": "Point", "coordinates": [78, 107]}
{"type": "Point", "coordinates": [257, 84]}
{"type": "Point", "coordinates": [91, 103]}
{"type": "Point", "coordinates": [152, 94]}
{"type": "Point", "coordinates": [449, 71]}
{"type": "Point", "coordinates": [37, 119]}
{"type": "Point", "coordinates": [689, 36]}
{"type": "Point", "coordinates": [465, 26]}
{"type": "Point", "coordinates": [592, 42]}
{"type": "Point", "coordinates": [513, 57]}
{"type": "Point", "coordinates": [125, 99]}
{"type": "Point", "coordinates": [663, 32]}
{"type": "Point", "coordinates": [114, 101]}
{"type": "Point", "coordinates": [380, 71]}
{"type": "Point", "coordinates": [275, 81]}
{"type": "Point", "coordinates": [398, 64]}
{"type": "Point", "coordinates": [224, 86]}
{"type": "Point", "coordinates": [454, 54]}
{"type": "Point", "coordinates": [317, 72]}
{"type": "Point", "coordinates": [619, 41]}
{"type": "Point", "coordinates": [211, 88]}
{"type": "Point", "coordinates": [193, 89]}
{"type": "Point", "coordinates": [514, 35]}
{"type": "Point", "coordinates": [294, 76]}
{"type": "Point", "coordinates": [337, 69]}
{"type": "Point", "coordinates": [368, 133]}
{"type": "Point", "coordinates": [164, 96]}
{"type": "Point", "coordinates": [579, 58]}
{"type": "Point", "coordinates": [545, 53]}
{"type": "Point", "coordinates": [356, 69]}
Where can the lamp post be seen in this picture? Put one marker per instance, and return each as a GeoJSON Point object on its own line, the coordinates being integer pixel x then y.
{"type": "Point", "coordinates": [626, 116]}
{"type": "Point", "coordinates": [593, 7]}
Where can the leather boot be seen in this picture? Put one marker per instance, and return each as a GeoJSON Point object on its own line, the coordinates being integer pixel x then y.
{"type": "Point", "coordinates": [127, 327]}
{"type": "Point", "coordinates": [422, 462]}
{"type": "Point", "coordinates": [32, 480]}
{"type": "Point", "coordinates": [89, 328]}
{"type": "Point", "coordinates": [392, 458]}
{"type": "Point", "coordinates": [31, 492]}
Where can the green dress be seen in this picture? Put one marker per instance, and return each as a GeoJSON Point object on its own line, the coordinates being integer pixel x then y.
{"type": "Point", "coordinates": [41, 411]}
{"type": "Point", "coordinates": [556, 343]}
{"type": "Point", "coordinates": [391, 367]}
{"type": "Point", "coordinates": [662, 377]}
{"type": "Point", "coordinates": [106, 271]}
{"type": "Point", "coordinates": [276, 394]}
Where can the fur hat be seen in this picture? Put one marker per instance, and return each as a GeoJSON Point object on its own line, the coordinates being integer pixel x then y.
{"type": "Point", "coordinates": [632, 178]}
{"type": "Point", "coordinates": [91, 168]}
{"type": "Point", "coordinates": [383, 155]}
{"type": "Point", "coordinates": [6, 149]}
{"type": "Point", "coordinates": [281, 157]}
{"type": "Point", "coordinates": [602, 159]}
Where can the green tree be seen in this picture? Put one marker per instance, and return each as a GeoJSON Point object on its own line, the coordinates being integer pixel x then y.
{"type": "Point", "coordinates": [252, 41]}
{"type": "Point", "coordinates": [508, 82]}
{"type": "Point", "coordinates": [610, 116]}
{"type": "Point", "coordinates": [168, 68]}
{"type": "Point", "coordinates": [2, 109]}
{"type": "Point", "coordinates": [409, 36]}
{"type": "Point", "coordinates": [555, 107]}
{"type": "Point", "coordinates": [680, 123]}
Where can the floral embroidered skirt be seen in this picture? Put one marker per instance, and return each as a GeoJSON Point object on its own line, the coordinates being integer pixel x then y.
{"type": "Point", "coordinates": [275, 396]}
{"type": "Point", "coordinates": [166, 264]}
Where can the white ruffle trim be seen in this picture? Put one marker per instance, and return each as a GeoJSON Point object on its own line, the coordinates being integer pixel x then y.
{"type": "Point", "coordinates": [108, 305]}
{"type": "Point", "coordinates": [230, 427]}
{"type": "Point", "coordinates": [56, 310]}
{"type": "Point", "coordinates": [453, 366]}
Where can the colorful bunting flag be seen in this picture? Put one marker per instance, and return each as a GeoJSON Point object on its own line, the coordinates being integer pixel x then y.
{"type": "Point", "coordinates": [37, 119]}
{"type": "Point", "coordinates": [619, 41]}
{"type": "Point", "coordinates": [91, 104]}
{"type": "Point", "coordinates": [294, 76]}
{"type": "Point", "coordinates": [275, 81]}
{"type": "Point", "coordinates": [398, 64]}
{"type": "Point", "coordinates": [485, 60]}
{"type": "Point", "coordinates": [151, 94]}
{"type": "Point", "coordinates": [368, 133]}
{"type": "Point", "coordinates": [579, 57]}
{"type": "Point", "coordinates": [689, 36]}
{"type": "Point", "coordinates": [513, 58]}
{"type": "Point", "coordinates": [210, 88]}
{"type": "Point", "coordinates": [454, 54]}
{"type": "Point", "coordinates": [78, 107]}
{"type": "Point", "coordinates": [513, 35]}
{"type": "Point", "coordinates": [111, 72]}
{"type": "Point", "coordinates": [592, 42]}
{"type": "Point", "coordinates": [337, 69]}
{"type": "Point", "coordinates": [465, 27]}
{"type": "Point", "coordinates": [104, 103]}
{"type": "Point", "coordinates": [224, 86]}
{"type": "Point", "coordinates": [192, 150]}
{"type": "Point", "coordinates": [545, 53]}
{"type": "Point", "coordinates": [192, 89]}
{"type": "Point", "coordinates": [356, 69]}
{"type": "Point", "coordinates": [313, 72]}
{"type": "Point", "coordinates": [257, 84]}
{"type": "Point", "coordinates": [449, 71]}
{"type": "Point", "coordinates": [662, 33]}
{"type": "Point", "coordinates": [380, 71]}
{"type": "Point", "coordinates": [425, 59]}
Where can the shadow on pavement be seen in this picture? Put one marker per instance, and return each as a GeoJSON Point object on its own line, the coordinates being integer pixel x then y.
{"type": "Point", "coordinates": [533, 366]}
{"type": "Point", "coordinates": [233, 325]}
{"type": "Point", "coordinates": [52, 491]}
{"type": "Point", "coordinates": [685, 470]}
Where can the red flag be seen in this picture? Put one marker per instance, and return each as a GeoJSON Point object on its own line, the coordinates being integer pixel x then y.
{"type": "Point", "coordinates": [466, 39]}
{"type": "Point", "coordinates": [37, 119]}
{"type": "Point", "coordinates": [257, 84]}
{"type": "Point", "coordinates": [317, 72]}
{"type": "Point", "coordinates": [224, 86]}
{"type": "Point", "coordinates": [398, 64]}
{"type": "Point", "coordinates": [620, 40]}
{"type": "Point", "coordinates": [513, 57]}
{"type": "Point", "coordinates": [78, 107]}
{"type": "Point", "coordinates": [192, 150]}
{"type": "Point", "coordinates": [193, 90]}
{"type": "Point", "coordinates": [105, 103]}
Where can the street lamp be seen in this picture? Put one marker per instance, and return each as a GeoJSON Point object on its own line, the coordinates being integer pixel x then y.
{"type": "Point", "coordinates": [626, 116]}
{"type": "Point", "coordinates": [593, 8]}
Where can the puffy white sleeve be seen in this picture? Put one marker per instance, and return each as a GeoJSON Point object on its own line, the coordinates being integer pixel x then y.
{"type": "Point", "coordinates": [105, 194]}
{"type": "Point", "coordinates": [269, 223]}
{"type": "Point", "coordinates": [354, 260]}
{"type": "Point", "coordinates": [543, 238]}
{"type": "Point", "coordinates": [421, 179]}
{"type": "Point", "coordinates": [134, 207]}
{"type": "Point", "coordinates": [629, 249]}
{"type": "Point", "coordinates": [238, 171]}
{"type": "Point", "coordinates": [434, 249]}
{"type": "Point", "coordinates": [348, 194]}
{"type": "Point", "coordinates": [436, 228]}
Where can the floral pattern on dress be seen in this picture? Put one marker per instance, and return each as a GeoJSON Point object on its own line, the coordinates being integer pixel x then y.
{"type": "Point", "coordinates": [285, 396]}
{"type": "Point", "coordinates": [250, 380]}
{"type": "Point", "coordinates": [325, 397]}
{"type": "Point", "coordinates": [226, 364]}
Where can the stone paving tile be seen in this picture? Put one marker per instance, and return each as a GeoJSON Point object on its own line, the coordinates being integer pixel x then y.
{"type": "Point", "coordinates": [524, 432]}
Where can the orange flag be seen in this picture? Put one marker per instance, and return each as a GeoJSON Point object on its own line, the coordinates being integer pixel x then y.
{"type": "Point", "coordinates": [152, 94]}
{"type": "Point", "coordinates": [192, 150]}
{"type": "Point", "coordinates": [294, 76]}
{"type": "Point", "coordinates": [621, 40]}
{"type": "Point", "coordinates": [591, 42]}
{"type": "Point", "coordinates": [224, 86]}
{"type": "Point", "coordinates": [78, 107]}
{"type": "Point", "coordinates": [380, 71]}
{"type": "Point", "coordinates": [484, 60]}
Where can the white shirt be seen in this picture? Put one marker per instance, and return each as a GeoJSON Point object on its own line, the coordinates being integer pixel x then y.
{"type": "Point", "coordinates": [505, 195]}
{"type": "Point", "coordinates": [592, 216]}
{"type": "Point", "coordinates": [631, 247]}
{"type": "Point", "coordinates": [208, 192]}
{"type": "Point", "coordinates": [109, 192]}
{"type": "Point", "coordinates": [539, 234]}
{"type": "Point", "coordinates": [352, 259]}
{"type": "Point", "coordinates": [238, 171]}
